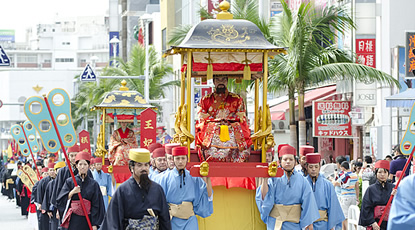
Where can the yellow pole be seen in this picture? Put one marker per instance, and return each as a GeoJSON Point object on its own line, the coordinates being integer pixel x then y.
{"type": "Point", "coordinates": [182, 82]}
{"type": "Point", "coordinates": [264, 103]}
{"type": "Point", "coordinates": [256, 111]}
{"type": "Point", "coordinates": [104, 115]}
{"type": "Point", "coordinates": [189, 95]}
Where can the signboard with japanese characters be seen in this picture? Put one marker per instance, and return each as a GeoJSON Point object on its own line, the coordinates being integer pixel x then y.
{"type": "Point", "coordinates": [148, 128]}
{"type": "Point", "coordinates": [409, 55]}
{"type": "Point", "coordinates": [331, 119]}
{"type": "Point", "coordinates": [366, 52]}
{"type": "Point", "coordinates": [84, 141]}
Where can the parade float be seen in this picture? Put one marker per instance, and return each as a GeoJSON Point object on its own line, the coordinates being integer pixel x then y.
{"type": "Point", "coordinates": [237, 49]}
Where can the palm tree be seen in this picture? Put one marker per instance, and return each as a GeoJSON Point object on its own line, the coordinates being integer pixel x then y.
{"type": "Point", "coordinates": [90, 94]}
{"type": "Point", "coordinates": [312, 59]}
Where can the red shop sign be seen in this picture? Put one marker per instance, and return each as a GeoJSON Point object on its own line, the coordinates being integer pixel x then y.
{"type": "Point", "coordinates": [331, 119]}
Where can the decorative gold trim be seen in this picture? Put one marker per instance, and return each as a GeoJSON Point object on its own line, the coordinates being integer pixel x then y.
{"type": "Point", "coordinates": [63, 102]}
{"type": "Point", "coordinates": [67, 119]}
{"type": "Point", "coordinates": [123, 87]}
{"type": "Point", "coordinates": [37, 88]}
{"type": "Point", "coordinates": [30, 107]}
{"type": "Point", "coordinates": [40, 127]}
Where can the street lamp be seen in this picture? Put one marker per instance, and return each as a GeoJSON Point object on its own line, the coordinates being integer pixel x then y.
{"type": "Point", "coordinates": [114, 42]}
{"type": "Point", "coordinates": [146, 19]}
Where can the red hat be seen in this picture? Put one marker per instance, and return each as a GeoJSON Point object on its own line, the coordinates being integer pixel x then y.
{"type": "Point", "coordinates": [306, 149]}
{"type": "Point", "coordinates": [169, 147]}
{"type": "Point", "coordinates": [286, 149]}
{"type": "Point", "coordinates": [97, 160]}
{"type": "Point", "coordinates": [270, 150]}
{"type": "Point", "coordinates": [160, 127]}
{"type": "Point", "coordinates": [73, 149]}
{"type": "Point", "coordinates": [51, 165]}
{"type": "Point", "coordinates": [399, 173]}
{"type": "Point", "coordinates": [154, 146]}
{"type": "Point", "coordinates": [159, 152]}
{"type": "Point", "coordinates": [83, 156]}
{"type": "Point", "coordinates": [45, 169]}
{"type": "Point", "coordinates": [382, 164]}
{"type": "Point", "coordinates": [313, 158]}
{"type": "Point", "coordinates": [280, 146]}
{"type": "Point", "coordinates": [180, 151]}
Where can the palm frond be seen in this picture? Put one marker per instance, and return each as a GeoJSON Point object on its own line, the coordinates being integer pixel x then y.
{"type": "Point", "coordinates": [355, 71]}
{"type": "Point", "coordinates": [178, 34]}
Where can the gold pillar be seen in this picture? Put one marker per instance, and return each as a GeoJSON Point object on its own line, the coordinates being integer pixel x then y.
{"type": "Point", "coordinates": [256, 111]}
{"type": "Point", "coordinates": [104, 115]}
{"type": "Point", "coordinates": [264, 103]}
{"type": "Point", "coordinates": [182, 82]}
{"type": "Point", "coordinates": [189, 96]}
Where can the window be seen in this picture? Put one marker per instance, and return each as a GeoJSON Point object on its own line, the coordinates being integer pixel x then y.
{"type": "Point", "coordinates": [66, 43]}
{"type": "Point", "coordinates": [64, 60]}
{"type": "Point", "coordinates": [27, 58]}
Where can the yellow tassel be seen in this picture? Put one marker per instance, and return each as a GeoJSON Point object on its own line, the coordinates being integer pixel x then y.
{"type": "Point", "coordinates": [209, 73]}
{"type": "Point", "coordinates": [247, 72]}
{"type": "Point", "coordinates": [224, 133]}
{"type": "Point", "coordinates": [238, 81]}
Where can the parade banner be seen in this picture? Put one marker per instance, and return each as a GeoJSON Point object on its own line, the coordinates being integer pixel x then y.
{"type": "Point", "coordinates": [84, 141]}
{"type": "Point", "coordinates": [148, 128]}
{"type": "Point", "coordinates": [331, 119]}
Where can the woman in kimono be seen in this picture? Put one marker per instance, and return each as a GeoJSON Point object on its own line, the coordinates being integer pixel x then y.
{"type": "Point", "coordinates": [376, 198]}
{"type": "Point", "coordinates": [74, 217]}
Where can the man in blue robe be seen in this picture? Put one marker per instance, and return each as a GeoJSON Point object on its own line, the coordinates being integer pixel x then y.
{"type": "Point", "coordinates": [328, 204]}
{"type": "Point", "coordinates": [288, 202]}
{"type": "Point", "coordinates": [187, 196]}
{"type": "Point", "coordinates": [43, 218]}
{"type": "Point", "coordinates": [138, 202]}
{"type": "Point", "coordinates": [303, 151]}
{"type": "Point", "coordinates": [402, 213]}
{"type": "Point", "coordinates": [160, 163]}
{"type": "Point", "coordinates": [106, 181]}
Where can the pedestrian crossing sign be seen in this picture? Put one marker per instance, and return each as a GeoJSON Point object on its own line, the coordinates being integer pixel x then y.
{"type": "Point", "coordinates": [4, 59]}
{"type": "Point", "coordinates": [88, 74]}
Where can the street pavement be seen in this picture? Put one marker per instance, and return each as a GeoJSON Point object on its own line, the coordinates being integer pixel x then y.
{"type": "Point", "coordinates": [10, 216]}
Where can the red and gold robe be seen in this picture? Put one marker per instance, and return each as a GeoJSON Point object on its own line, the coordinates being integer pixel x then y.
{"type": "Point", "coordinates": [223, 109]}
{"type": "Point", "coordinates": [119, 146]}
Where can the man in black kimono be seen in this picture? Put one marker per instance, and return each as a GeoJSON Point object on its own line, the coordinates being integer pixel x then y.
{"type": "Point", "coordinates": [43, 218]}
{"type": "Point", "coordinates": [376, 197]}
{"type": "Point", "coordinates": [73, 217]}
{"type": "Point", "coordinates": [46, 205]}
{"type": "Point", "coordinates": [138, 202]}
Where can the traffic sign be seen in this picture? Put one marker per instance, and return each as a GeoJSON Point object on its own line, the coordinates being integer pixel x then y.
{"type": "Point", "coordinates": [4, 59]}
{"type": "Point", "coordinates": [88, 74]}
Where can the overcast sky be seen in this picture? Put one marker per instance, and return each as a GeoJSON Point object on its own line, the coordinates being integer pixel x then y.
{"type": "Point", "coordinates": [22, 14]}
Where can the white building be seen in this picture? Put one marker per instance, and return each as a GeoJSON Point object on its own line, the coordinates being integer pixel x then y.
{"type": "Point", "coordinates": [54, 54]}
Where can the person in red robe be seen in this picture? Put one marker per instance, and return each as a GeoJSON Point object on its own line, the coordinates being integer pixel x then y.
{"type": "Point", "coordinates": [222, 131]}
{"type": "Point", "coordinates": [122, 140]}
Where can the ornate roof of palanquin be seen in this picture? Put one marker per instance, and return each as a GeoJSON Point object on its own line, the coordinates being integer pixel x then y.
{"type": "Point", "coordinates": [123, 99]}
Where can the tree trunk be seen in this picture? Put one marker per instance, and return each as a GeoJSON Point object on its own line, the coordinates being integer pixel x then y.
{"type": "Point", "coordinates": [293, 127]}
{"type": "Point", "coordinates": [302, 132]}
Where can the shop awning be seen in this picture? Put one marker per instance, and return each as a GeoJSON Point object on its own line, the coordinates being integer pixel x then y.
{"type": "Point", "coordinates": [278, 111]}
{"type": "Point", "coordinates": [404, 99]}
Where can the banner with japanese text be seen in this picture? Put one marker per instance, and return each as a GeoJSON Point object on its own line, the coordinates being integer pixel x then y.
{"type": "Point", "coordinates": [84, 141]}
{"type": "Point", "coordinates": [331, 119]}
{"type": "Point", "coordinates": [366, 52]}
{"type": "Point", "coordinates": [148, 128]}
